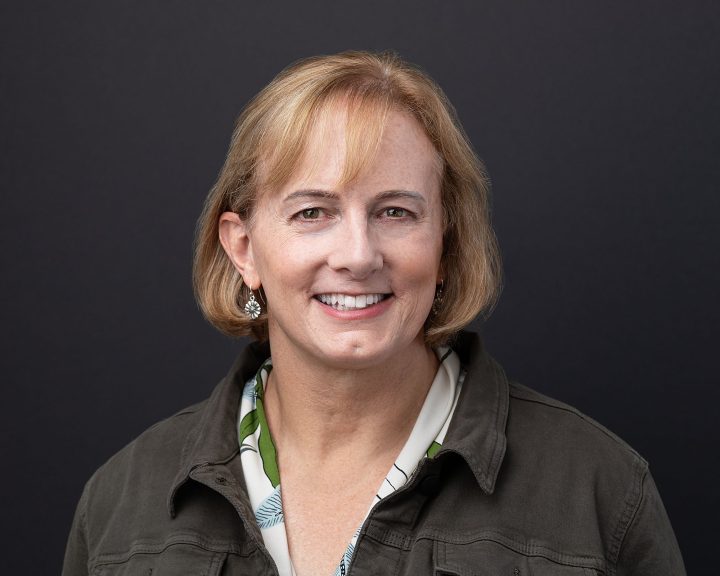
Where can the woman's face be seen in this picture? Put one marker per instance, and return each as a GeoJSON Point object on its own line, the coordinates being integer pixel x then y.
{"type": "Point", "coordinates": [349, 271]}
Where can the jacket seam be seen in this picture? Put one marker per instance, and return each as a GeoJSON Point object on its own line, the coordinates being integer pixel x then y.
{"type": "Point", "coordinates": [522, 547]}
{"type": "Point", "coordinates": [390, 537]}
{"type": "Point", "coordinates": [632, 505]}
{"type": "Point", "coordinates": [108, 558]}
{"type": "Point", "coordinates": [187, 411]}
{"type": "Point", "coordinates": [587, 419]}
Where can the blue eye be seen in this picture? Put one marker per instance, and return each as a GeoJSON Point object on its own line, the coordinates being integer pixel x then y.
{"type": "Point", "coordinates": [395, 212]}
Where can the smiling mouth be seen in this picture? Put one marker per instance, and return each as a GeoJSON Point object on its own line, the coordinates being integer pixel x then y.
{"type": "Point", "coordinates": [345, 302]}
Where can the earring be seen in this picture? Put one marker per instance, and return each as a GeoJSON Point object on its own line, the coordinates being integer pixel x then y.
{"type": "Point", "coordinates": [438, 300]}
{"type": "Point", "coordinates": [252, 308]}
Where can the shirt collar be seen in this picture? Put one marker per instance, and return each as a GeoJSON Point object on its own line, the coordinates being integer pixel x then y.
{"type": "Point", "coordinates": [476, 432]}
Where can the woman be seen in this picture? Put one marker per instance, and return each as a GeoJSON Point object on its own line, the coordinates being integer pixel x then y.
{"type": "Point", "coordinates": [349, 233]}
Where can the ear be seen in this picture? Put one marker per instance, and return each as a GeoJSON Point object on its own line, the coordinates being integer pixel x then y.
{"type": "Point", "coordinates": [235, 239]}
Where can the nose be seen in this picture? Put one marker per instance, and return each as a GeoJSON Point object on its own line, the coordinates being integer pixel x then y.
{"type": "Point", "coordinates": [355, 249]}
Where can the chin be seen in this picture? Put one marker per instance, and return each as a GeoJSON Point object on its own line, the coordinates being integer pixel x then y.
{"type": "Point", "coordinates": [353, 356]}
{"type": "Point", "coordinates": [363, 351]}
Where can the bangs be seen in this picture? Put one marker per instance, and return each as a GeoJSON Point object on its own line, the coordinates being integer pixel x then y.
{"type": "Point", "coordinates": [300, 128]}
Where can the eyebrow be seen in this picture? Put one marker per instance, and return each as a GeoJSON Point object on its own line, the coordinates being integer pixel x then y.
{"type": "Point", "coordinates": [309, 194]}
{"type": "Point", "coordinates": [326, 194]}
{"type": "Point", "coordinates": [394, 194]}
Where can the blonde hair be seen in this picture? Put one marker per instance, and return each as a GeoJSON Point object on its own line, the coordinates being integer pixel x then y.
{"type": "Point", "coordinates": [268, 144]}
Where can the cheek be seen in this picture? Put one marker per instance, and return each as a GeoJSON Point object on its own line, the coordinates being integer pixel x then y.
{"type": "Point", "coordinates": [427, 255]}
{"type": "Point", "coordinates": [419, 272]}
{"type": "Point", "coordinates": [285, 263]}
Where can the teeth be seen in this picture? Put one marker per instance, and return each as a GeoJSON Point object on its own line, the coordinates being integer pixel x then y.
{"type": "Point", "coordinates": [347, 302]}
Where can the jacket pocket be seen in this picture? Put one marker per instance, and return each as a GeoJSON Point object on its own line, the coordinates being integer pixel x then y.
{"type": "Point", "coordinates": [491, 558]}
{"type": "Point", "coordinates": [161, 560]}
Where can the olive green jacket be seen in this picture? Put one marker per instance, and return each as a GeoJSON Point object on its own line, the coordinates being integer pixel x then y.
{"type": "Point", "coordinates": [523, 485]}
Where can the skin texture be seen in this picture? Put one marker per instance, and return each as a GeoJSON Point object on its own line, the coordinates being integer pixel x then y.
{"type": "Point", "coordinates": [346, 386]}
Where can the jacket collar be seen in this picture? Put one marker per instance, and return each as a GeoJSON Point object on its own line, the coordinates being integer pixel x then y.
{"type": "Point", "coordinates": [477, 429]}
{"type": "Point", "coordinates": [476, 433]}
{"type": "Point", "coordinates": [213, 439]}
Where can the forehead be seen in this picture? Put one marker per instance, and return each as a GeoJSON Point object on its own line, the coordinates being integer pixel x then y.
{"type": "Point", "coordinates": [345, 144]}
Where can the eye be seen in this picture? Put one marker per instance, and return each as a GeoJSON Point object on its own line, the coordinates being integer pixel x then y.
{"type": "Point", "coordinates": [310, 214]}
{"type": "Point", "coordinates": [395, 212]}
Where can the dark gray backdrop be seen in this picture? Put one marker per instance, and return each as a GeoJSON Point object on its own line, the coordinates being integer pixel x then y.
{"type": "Point", "coordinates": [598, 122]}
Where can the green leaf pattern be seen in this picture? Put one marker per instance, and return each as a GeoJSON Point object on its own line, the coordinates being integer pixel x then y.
{"type": "Point", "coordinates": [434, 449]}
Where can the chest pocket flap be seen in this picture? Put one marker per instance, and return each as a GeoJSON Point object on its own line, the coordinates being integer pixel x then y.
{"type": "Point", "coordinates": [162, 560]}
{"type": "Point", "coordinates": [492, 558]}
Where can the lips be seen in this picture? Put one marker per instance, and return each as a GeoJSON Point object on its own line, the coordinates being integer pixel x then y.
{"type": "Point", "coordinates": [345, 302]}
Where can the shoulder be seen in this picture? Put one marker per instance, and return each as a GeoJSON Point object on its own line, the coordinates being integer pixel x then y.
{"type": "Point", "coordinates": [531, 424]}
{"type": "Point", "coordinates": [142, 479]}
{"type": "Point", "coordinates": [539, 419]}
{"type": "Point", "coordinates": [587, 480]}
{"type": "Point", "coordinates": [558, 479]}
{"type": "Point", "coordinates": [593, 479]}
{"type": "Point", "coordinates": [166, 436]}
{"type": "Point", "coordinates": [540, 484]}
{"type": "Point", "coordinates": [572, 459]}
{"type": "Point", "coordinates": [148, 464]}
{"type": "Point", "coordinates": [525, 424]}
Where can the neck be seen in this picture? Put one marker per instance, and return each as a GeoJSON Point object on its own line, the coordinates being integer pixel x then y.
{"type": "Point", "coordinates": [325, 413]}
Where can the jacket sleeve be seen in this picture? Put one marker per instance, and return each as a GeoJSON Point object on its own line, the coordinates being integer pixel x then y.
{"type": "Point", "coordinates": [649, 547]}
{"type": "Point", "coordinates": [76, 553]}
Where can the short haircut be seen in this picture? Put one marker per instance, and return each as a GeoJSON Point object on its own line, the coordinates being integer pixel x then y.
{"type": "Point", "coordinates": [272, 133]}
